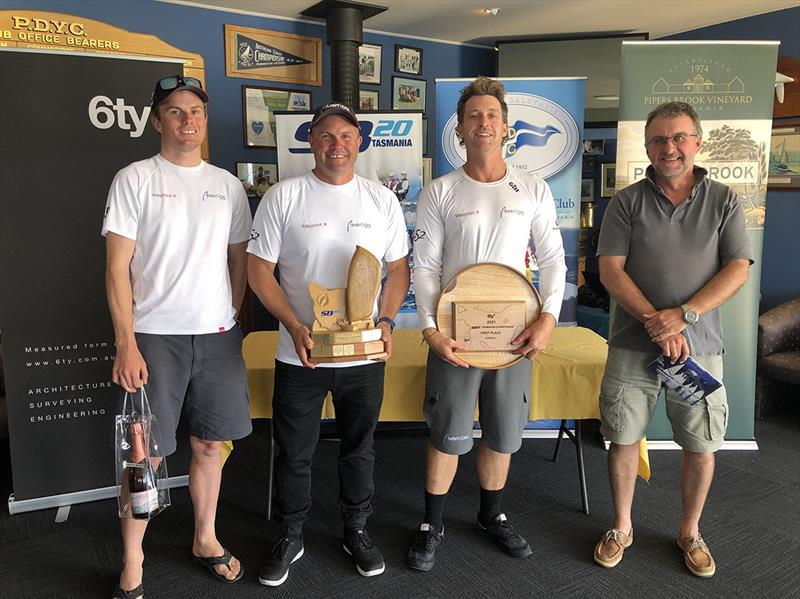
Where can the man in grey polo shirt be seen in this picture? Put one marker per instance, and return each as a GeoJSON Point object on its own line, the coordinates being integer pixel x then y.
{"type": "Point", "coordinates": [672, 249]}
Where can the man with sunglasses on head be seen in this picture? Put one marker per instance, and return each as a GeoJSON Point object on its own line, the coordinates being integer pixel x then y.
{"type": "Point", "coordinates": [672, 250]}
{"type": "Point", "coordinates": [176, 230]}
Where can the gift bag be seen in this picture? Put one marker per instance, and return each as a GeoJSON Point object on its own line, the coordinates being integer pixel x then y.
{"type": "Point", "coordinates": [141, 467]}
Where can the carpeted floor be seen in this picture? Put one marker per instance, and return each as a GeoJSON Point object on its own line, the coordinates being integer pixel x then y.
{"type": "Point", "coordinates": [751, 524]}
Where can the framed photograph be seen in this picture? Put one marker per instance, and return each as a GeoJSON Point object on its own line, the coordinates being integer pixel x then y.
{"type": "Point", "coordinates": [593, 147]}
{"type": "Point", "coordinates": [587, 190]}
{"type": "Point", "coordinates": [369, 63]}
{"type": "Point", "coordinates": [784, 156]}
{"type": "Point", "coordinates": [427, 170]}
{"type": "Point", "coordinates": [408, 94]}
{"type": "Point", "coordinates": [407, 60]}
{"type": "Point", "coordinates": [367, 99]}
{"type": "Point", "coordinates": [259, 106]}
{"type": "Point", "coordinates": [256, 177]}
{"type": "Point", "coordinates": [272, 55]}
{"type": "Point", "coordinates": [608, 179]}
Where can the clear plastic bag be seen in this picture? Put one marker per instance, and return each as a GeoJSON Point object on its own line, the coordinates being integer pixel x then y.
{"type": "Point", "coordinates": [140, 466]}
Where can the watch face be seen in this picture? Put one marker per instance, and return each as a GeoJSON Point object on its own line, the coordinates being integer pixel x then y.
{"type": "Point", "coordinates": [690, 316]}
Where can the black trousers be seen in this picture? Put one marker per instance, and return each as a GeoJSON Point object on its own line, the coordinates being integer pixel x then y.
{"type": "Point", "coordinates": [357, 393]}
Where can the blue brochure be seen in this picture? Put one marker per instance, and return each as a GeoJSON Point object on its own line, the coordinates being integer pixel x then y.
{"type": "Point", "coordinates": [689, 380]}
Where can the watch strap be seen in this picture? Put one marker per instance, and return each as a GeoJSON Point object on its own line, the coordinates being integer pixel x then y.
{"type": "Point", "coordinates": [387, 320]}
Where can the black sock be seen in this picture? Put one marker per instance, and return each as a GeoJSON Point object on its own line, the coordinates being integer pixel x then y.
{"type": "Point", "coordinates": [434, 509]}
{"type": "Point", "coordinates": [490, 506]}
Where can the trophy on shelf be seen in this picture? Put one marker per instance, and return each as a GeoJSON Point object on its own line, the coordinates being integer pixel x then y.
{"type": "Point", "coordinates": [343, 330]}
{"type": "Point", "coordinates": [485, 306]}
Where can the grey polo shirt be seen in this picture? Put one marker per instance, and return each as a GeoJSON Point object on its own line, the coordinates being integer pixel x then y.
{"type": "Point", "coordinates": [672, 252]}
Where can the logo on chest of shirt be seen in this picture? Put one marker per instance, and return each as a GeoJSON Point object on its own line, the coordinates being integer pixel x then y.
{"type": "Point", "coordinates": [511, 211]}
{"type": "Point", "coordinates": [313, 225]}
{"type": "Point", "coordinates": [466, 214]}
{"type": "Point", "coordinates": [354, 225]}
{"type": "Point", "coordinates": [213, 196]}
{"type": "Point", "coordinates": [513, 186]}
{"type": "Point", "coordinates": [163, 194]}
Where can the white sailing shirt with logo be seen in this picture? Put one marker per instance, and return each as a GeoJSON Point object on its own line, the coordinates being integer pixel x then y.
{"type": "Point", "coordinates": [310, 229]}
{"type": "Point", "coordinates": [182, 219]}
{"type": "Point", "coordinates": [461, 222]}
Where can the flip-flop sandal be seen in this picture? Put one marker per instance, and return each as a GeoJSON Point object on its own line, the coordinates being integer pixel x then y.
{"type": "Point", "coordinates": [222, 560]}
{"type": "Point", "coordinates": [120, 593]}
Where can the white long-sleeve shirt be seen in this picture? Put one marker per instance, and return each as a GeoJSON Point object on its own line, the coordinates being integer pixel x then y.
{"type": "Point", "coordinates": [461, 222]}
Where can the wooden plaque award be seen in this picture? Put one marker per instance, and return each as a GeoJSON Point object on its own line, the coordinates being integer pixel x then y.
{"type": "Point", "coordinates": [485, 306]}
{"type": "Point", "coordinates": [343, 330]}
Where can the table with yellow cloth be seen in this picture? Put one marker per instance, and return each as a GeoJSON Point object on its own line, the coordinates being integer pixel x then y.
{"type": "Point", "coordinates": [565, 384]}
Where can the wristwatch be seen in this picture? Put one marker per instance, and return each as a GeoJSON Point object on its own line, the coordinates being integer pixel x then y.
{"type": "Point", "coordinates": [388, 320]}
{"type": "Point", "coordinates": [690, 317]}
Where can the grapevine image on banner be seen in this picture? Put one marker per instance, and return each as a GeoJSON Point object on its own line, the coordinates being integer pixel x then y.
{"type": "Point", "coordinates": [390, 153]}
{"type": "Point", "coordinates": [730, 84]}
{"type": "Point", "coordinates": [545, 119]}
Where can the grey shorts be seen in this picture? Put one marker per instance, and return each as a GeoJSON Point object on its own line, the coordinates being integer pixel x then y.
{"type": "Point", "coordinates": [629, 393]}
{"type": "Point", "coordinates": [204, 377]}
{"type": "Point", "coordinates": [449, 408]}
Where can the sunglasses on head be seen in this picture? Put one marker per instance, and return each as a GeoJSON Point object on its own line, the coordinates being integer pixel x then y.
{"type": "Point", "coordinates": [169, 83]}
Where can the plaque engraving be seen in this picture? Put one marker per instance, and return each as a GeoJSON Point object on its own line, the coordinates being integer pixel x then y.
{"type": "Point", "coordinates": [488, 326]}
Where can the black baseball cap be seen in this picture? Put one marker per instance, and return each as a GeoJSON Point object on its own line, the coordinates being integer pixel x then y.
{"type": "Point", "coordinates": [166, 86]}
{"type": "Point", "coordinates": [332, 108]}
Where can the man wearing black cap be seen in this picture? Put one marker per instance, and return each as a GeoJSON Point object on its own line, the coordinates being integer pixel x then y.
{"type": "Point", "coordinates": [176, 230]}
{"type": "Point", "coordinates": [309, 226]}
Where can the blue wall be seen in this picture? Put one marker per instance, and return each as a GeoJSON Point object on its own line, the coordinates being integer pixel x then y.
{"type": "Point", "coordinates": [201, 31]}
{"type": "Point", "coordinates": [780, 273]}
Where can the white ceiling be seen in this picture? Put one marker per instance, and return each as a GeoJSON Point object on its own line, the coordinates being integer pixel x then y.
{"type": "Point", "coordinates": [462, 21]}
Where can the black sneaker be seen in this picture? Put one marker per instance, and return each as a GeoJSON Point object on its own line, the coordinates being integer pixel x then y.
{"type": "Point", "coordinates": [275, 569]}
{"type": "Point", "coordinates": [368, 558]}
{"type": "Point", "coordinates": [422, 553]}
{"type": "Point", "coordinates": [504, 535]}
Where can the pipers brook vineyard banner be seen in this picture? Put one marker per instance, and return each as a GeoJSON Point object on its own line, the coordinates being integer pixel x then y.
{"type": "Point", "coordinates": [730, 84]}
{"type": "Point", "coordinates": [545, 119]}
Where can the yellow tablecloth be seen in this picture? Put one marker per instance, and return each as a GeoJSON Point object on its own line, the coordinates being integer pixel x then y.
{"type": "Point", "coordinates": [565, 383]}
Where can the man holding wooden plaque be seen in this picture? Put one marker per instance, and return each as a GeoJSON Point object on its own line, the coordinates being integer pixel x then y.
{"type": "Point", "coordinates": [327, 231]}
{"type": "Point", "coordinates": [481, 213]}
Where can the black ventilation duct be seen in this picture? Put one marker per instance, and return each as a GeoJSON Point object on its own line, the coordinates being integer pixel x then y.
{"type": "Point", "coordinates": [344, 25]}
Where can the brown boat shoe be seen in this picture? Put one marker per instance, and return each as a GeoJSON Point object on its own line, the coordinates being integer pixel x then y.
{"type": "Point", "coordinates": [697, 556]}
{"type": "Point", "coordinates": [608, 552]}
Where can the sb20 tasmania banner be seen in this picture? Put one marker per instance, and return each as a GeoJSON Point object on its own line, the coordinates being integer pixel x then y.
{"type": "Point", "coordinates": [545, 119]}
{"type": "Point", "coordinates": [390, 153]}
{"type": "Point", "coordinates": [730, 84]}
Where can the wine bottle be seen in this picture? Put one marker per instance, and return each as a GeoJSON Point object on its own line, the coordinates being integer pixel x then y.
{"type": "Point", "coordinates": [141, 481]}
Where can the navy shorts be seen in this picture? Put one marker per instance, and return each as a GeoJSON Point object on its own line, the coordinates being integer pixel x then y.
{"type": "Point", "coordinates": [204, 377]}
{"type": "Point", "coordinates": [450, 394]}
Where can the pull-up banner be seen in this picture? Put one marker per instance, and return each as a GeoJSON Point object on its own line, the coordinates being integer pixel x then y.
{"type": "Point", "coordinates": [730, 85]}
{"type": "Point", "coordinates": [545, 119]}
{"type": "Point", "coordinates": [69, 123]}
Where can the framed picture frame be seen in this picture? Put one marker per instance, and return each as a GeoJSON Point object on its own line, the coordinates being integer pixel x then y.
{"type": "Point", "coordinates": [408, 59]}
{"type": "Point", "coordinates": [369, 63]}
{"type": "Point", "coordinates": [367, 99]}
{"type": "Point", "coordinates": [608, 179]}
{"type": "Point", "coordinates": [408, 94]}
{"type": "Point", "coordinates": [272, 55]}
{"type": "Point", "coordinates": [256, 177]}
{"type": "Point", "coordinates": [258, 111]}
{"type": "Point", "coordinates": [784, 156]}
{"type": "Point", "coordinates": [587, 190]}
{"type": "Point", "coordinates": [593, 147]}
{"type": "Point", "coordinates": [425, 136]}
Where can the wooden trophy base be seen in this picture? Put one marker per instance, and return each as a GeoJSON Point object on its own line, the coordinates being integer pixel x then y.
{"type": "Point", "coordinates": [485, 306]}
{"type": "Point", "coordinates": [346, 346]}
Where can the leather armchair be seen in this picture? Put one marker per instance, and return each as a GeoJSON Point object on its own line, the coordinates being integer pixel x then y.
{"type": "Point", "coordinates": [778, 366]}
